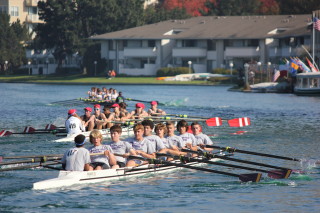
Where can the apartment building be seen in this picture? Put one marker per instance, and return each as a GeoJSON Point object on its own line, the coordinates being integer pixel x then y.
{"type": "Point", "coordinates": [206, 43]}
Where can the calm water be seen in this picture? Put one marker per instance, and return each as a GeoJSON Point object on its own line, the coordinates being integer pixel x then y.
{"type": "Point", "coordinates": [282, 124]}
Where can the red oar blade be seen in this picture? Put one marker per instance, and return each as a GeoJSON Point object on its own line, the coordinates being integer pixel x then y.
{"type": "Point", "coordinates": [239, 122]}
{"type": "Point", "coordinates": [216, 121]}
{"type": "Point", "coordinates": [279, 174]}
{"type": "Point", "coordinates": [29, 129]}
{"type": "Point", "coordinates": [253, 177]}
{"type": "Point", "coordinates": [50, 127]}
{"type": "Point", "coordinates": [4, 133]}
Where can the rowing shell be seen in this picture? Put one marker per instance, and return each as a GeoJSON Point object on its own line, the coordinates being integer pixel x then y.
{"type": "Point", "coordinates": [126, 132]}
{"type": "Point", "coordinates": [69, 178]}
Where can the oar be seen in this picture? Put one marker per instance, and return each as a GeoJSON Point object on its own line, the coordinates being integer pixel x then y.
{"type": "Point", "coordinates": [131, 99]}
{"type": "Point", "coordinates": [27, 166]}
{"type": "Point", "coordinates": [32, 160]}
{"type": "Point", "coordinates": [210, 155]}
{"type": "Point", "coordinates": [65, 101]}
{"type": "Point", "coordinates": [229, 149]}
{"type": "Point", "coordinates": [254, 177]}
{"type": "Point", "coordinates": [276, 174]}
{"type": "Point", "coordinates": [29, 156]}
{"type": "Point", "coordinates": [239, 122]}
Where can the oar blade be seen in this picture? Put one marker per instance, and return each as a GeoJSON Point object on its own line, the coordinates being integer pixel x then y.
{"type": "Point", "coordinates": [50, 127]}
{"type": "Point", "coordinates": [253, 177]}
{"type": "Point", "coordinates": [280, 174]}
{"type": "Point", "coordinates": [239, 122]}
{"type": "Point", "coordinates": [29, 129]}
{"type": "Point", "coordinates": [216, 121]}
{"type": "Point", "coordinates": [5, 133]}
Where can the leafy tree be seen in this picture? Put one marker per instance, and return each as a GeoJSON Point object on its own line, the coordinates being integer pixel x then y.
{"type": "Point", "coordinates": [298, 6]}
{"type": "Point", "coordinates": [233, 7]}
{"type": "Point", "coordinates": [11, 43]}
{"type": "Point", "coordinates": [192, 7]}
{"type": "Point", "coordinates": [157, 14]}
{"type": "Point", "coordinates": [269, 7]}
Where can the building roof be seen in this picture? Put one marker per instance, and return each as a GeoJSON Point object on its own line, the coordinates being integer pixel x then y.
{"type": "Point", "coordinates": [217, 27]}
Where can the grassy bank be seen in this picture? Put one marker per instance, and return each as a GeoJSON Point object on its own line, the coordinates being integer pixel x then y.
{"type": "Point", "coordinates": [81, 79]}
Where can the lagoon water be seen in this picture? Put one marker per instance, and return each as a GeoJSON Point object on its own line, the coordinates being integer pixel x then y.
{"type": "Point", "coordinates": [281, 124]}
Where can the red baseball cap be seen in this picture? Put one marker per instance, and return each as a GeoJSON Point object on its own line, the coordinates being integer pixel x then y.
{"type": "Point", "coordinates": [154, 103]}
{"type": "Point", "coordinates": [140, 105]}
{"type": "Point", "coordinates": [97, 106]}
{"type": "Point", "coordinates": [88, 109]}
{"type": "Point", "coordinates": [72, 111]}
{"type": "Point", "coordinates": [115, 105]}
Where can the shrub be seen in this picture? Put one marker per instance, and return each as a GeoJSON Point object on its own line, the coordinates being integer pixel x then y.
{"type": "Point", "coordinates": [68, 70]}
{"type": "Point", "coordinates": [224, 71]}
{"type": "Point", "coordinates": [172, 71]}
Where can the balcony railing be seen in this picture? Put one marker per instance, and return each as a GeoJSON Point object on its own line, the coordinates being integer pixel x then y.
{"type": "Point", "coordinates": [140, 52]}
{"type": "Point", "coordinates": [189, 52]}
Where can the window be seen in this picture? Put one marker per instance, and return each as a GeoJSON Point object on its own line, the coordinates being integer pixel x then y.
{"type": "Point", "coordinates": [151, 43]}
{"type": "Point", "coordinates": [14, 11]}
{"type": "Point", "coordinates": [211, 45]}
{"type": "Point", "coordinates": [3, 9]}
{"type": "Point", "coordinates": [189, 43]}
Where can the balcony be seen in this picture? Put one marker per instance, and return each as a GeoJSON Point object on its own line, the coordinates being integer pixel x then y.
{"type": "Point", "coordinates": [140, 52]}
{"type": "Point", "coordinates": [33, 19]}
{"type": "Point", "coordinates": [32, 3]}
{"type": "Point", "coordinates": [242, 51]}
{"type": "Point", "coordinates": [190, 52]}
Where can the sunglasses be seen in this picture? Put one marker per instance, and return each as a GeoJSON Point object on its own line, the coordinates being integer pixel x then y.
{"type": "Point", "coordinates": [96, 109]}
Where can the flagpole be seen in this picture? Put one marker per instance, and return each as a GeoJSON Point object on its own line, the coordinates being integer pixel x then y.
{"type": "Point", "coordinates": [313, 37]}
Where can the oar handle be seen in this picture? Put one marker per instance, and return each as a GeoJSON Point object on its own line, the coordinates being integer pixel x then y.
{"type": "Point", "coordinates": [229, 149]}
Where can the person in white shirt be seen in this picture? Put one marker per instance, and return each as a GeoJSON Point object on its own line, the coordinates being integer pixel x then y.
{"type": "Point", "coordinates": [73, 123]}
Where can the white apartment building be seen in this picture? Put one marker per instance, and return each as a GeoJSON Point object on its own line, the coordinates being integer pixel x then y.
{"type": "Point", "coordinates": [207, 42]}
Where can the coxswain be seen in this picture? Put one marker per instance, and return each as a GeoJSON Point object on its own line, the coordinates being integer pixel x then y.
{"type": "Point", "coordinates": [77, 158]}
{"type": "Point", "coordinates": [107, 160]}
{"type": "Point", "coordinates": [73, 123]}
{"type": "Point", "coordinates": [154, 111]}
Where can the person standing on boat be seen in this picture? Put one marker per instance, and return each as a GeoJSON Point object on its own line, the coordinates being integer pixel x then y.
{"type": "Point", "coordinates": [154, 111]}
{"type": "Point", "coordinates": [139, 112]}
{"type": "Point", "coordinates": [120, 147]}
{"type": "Point", "coordinates": [155, 141]}
{"type": "Point", "coordinates": [73, 123]}
{"type": "Point", "coordinates": [100, 118]}
{"type": "Point", "coordinates": [120, 98]}
{"type": "Point", "coordinates": [201, 138]}
{"type": "Point", "coordinates": [87, 119]}
{"type": "Point", "coordinates": [77, 158]}
{"type": "Point", "coordinates": [105, 161]}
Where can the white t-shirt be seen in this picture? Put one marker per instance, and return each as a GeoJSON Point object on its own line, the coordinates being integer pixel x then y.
{"type": "Point", "coordinates": [121, 148]}
{"type": "Point", "coordinates": [203, 139]}
{"type": "Point", "coordinates": [155, 142]}
{"type": "Point", "coordinates": [74, 126]}
{"type": "Point", "coordinates": [75, 159]}
{"type": "Point", "coordinates": [100, 158]}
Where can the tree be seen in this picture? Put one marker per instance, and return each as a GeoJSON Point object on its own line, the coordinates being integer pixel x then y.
{"type": "Point", "coordinates": [269, 7]}
{"type": "Point", "coordinates": [298, 6]}
{"type": "Point", "coordinates": [192, 7]}
{"type": "Point", "coordinates": [12, 40]}
{"type": "Point", "coordinates": [154, 14]}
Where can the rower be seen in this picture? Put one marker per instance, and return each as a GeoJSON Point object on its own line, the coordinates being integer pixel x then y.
{"type": "Point", "coordinates": [92, 93]}
{"type": "Point", "coordinates": [154, 111]}
{"type": "Point", "coordinates": [120, 98]}
{"type": "Point", "coordinates": [155, 141]}
{"type": "Point", "coordinates": [139, 112]}
{"type": "Point", "coordinates": [121, 147]}
{"type": "Point", "coordinates": [105, 161]}
{"type": "Point", "coordinates": [73, 123]}
{"type": "Point", "coordinates": [201, 138]}
{"type": "Point", "coordinates": [189, 140]}
{"type": "Point", "coordinates": [77, 158]}
{"type": "Point", "coordinates": [99, 117]}
{"type": "Point", "coordinates": [88, 119]}
{"type": "Point", "coordinates": [109, 117]}
{"type": "Point", "coordinates": [141, 145]}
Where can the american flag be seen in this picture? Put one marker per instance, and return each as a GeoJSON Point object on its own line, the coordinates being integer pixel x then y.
{"type": "Point", "coordinates": [316, 23]}
{"type": "Point", "coordinates": [276, 75]}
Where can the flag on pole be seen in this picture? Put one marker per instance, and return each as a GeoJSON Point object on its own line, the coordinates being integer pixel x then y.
{"type": "Point", "coordinates": [316, 23]}
{"type": "Point", "coordinates": [276, 75]}
{"type": "Point", "coordinates": [302, 65]}
{"type": "Point", "coordinates": [313, 68]}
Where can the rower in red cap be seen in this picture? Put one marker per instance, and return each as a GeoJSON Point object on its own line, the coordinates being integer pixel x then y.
{"type": "Point", "coordinates": [139, 112]}
{"type": "Point", "coordinates": [154, 111]}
